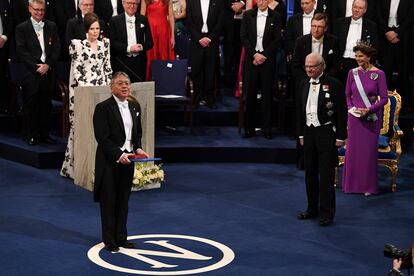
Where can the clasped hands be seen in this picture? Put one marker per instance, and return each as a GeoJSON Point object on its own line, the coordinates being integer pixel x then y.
{"type": "Point", "coordinates": [124, 159]}
{"type": "Point", "coordinates": [42, 68]}
{"type": "Point", "coordinates": [136, 48]}
{"type": "Point", "coordinates": [258, 59]}
{"type": "Point", "coordinates": [363, 111]}
{"type": "Point", "coordinates": [392, 37]}
{"type": "Point", "coordinates": [205, 42]}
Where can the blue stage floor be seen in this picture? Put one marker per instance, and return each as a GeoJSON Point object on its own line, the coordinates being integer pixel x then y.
{"type": "Point", "coordinates": [48, 225]}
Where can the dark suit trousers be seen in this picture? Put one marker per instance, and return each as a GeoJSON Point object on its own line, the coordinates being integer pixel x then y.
{"type": "Point", "coordinates": [203, 64]}
{"type": "Point", "coordinates": [321, 157]}
{"type": "Point", "coordinates": [259, 78]}
{"type": "Point", "coordinates": [37, 105]}
{"type": "Point", "coordinates": [393, 58]}
{"type": "Point", "coordinates": [5, 93]}
{"type": "Point", "coordinates": [114, 196]}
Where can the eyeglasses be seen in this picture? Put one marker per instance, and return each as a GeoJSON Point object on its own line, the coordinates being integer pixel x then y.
{"type": "Point", "coordinates": [88, 5]}
{"type": "Point", "coordinates": [122, 83]}
{"type": "Point", "coordinates": [318, 27]}
{"type": "Point", "coordinates": [131, 3]}
{"type": "Point", "coordinates": [312, 66]}
{"type": "Point", "coordinates": [37, 10]}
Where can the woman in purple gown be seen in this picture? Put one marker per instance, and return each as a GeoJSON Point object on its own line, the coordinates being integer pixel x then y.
{"type": "Point", "coordinates": [360, 169]}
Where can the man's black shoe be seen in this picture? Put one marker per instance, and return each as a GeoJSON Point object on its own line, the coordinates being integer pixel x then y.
{"type": "Point", "coordinates": [306, 215]}
{"type": "Point", "coordinates": [126, 244]}
{"type": "Point", "coordinates": [249, 134]}
{"type": "Point", "coordinates": [111, 248]}
{"type": "Point", "coordinates": [32, 141]}
{"type": "Point", "coordinates": [325, 221]}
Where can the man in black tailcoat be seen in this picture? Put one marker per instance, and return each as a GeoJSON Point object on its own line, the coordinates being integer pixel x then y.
{"type": "Point", "coordinates": [343, 8]}
{"type": "Point", "coordinates": [5, 35]}
{"type": "Point", "coordinates": [130, 40]}
{"type": "Point", "coordinates": [318, 41]}
{"type": "Point", "coordinates": [204, 23]}
{"type": "Point", "coordinates": [117, 128]}
{"type": "Point", "coordinates": [260, 34]}
{"type": "Point", "coordinates": [395, 19]}
{"type": "Point", "coordinates": [75, 28]}
{"type": "Point", "coordinates": [350, 30]}
{"type": "Point", "coordinates": [38, 48]}
{"type": "Point", "coordinates": [321, 125]}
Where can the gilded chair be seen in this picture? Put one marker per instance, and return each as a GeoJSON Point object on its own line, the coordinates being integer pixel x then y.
{"type": "Point", "coordinates": [389, 142]}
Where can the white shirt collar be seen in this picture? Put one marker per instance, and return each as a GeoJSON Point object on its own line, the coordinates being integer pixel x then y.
{"type": "Point", "coordinates": [264, 13]}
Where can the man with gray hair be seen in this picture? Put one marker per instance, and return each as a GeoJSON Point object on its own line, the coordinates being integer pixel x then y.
{"type": "Point", "coordinates": [321, 127]}
{"type": "Point", "coordinates": [38, 48]}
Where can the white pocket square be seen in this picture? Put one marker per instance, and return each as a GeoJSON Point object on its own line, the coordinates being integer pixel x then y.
{"type": "Point", "coordinates": [137, 114]}
{"type": "Point", "coordinates": [142, 25]}
{"type": "Point", "coordinates": [330, 52]}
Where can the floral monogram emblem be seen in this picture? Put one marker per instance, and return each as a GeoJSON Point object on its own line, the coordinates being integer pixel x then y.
{"type": "Point", "coordinates": [373, 76]}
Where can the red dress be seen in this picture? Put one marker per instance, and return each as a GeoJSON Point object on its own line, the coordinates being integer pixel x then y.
{"type": "Point", "coordinates": [157, 13]}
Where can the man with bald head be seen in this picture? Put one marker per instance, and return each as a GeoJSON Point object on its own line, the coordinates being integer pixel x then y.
{"type": "Point", "coordinates": [321, 126]}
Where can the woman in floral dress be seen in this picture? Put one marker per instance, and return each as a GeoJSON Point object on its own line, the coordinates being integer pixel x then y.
{"type": "Point", "coordinates": [90, 67]}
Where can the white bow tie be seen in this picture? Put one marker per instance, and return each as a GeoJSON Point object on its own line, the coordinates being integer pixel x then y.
{"type": "Point", "coordinates": [264, 14]}
{"type": "Point", "coordinates": [307, 15]}
{"type": "Point", "coordinates": [131, 20]}
{"type": "Point", "coordinates": [38, 26]}
{"type": "Point", "coordinates": [357, 22]}
{"type": "Point", "coordinates": [123, 104]}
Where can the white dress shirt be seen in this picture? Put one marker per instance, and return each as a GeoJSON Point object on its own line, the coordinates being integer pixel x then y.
{"type": "Point", "coordinates": [2, 30]}
{"type": "Point", "coordinates": [306, 22]}
{"type": "Point", "coordinates": [261, 23]}
{"type": "Point", "coordinates": [114, 7]}
{"type": "Point", "coordinates": [127, 120]}
{"type": "Point", "coordinates": [312, 103]}
{"type": "Point", "coordinates": [354, 34]}
{"type": "Point", "coordinates": [38, 27]}
{"type": "Point", "coordinates": [204, 11]}
{"type": "Point", "coordinates": [392, 19]}
{"type": "Point", "coordinates": [348, 9]}
{"type": "Point", "coordinates": [76, 5]}
{"type": "Point", "coordinates": [131, 35]}
{"type": "Point", "coordinates": [317, 45]}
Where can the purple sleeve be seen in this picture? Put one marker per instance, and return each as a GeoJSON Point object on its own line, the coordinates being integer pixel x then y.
{"type": "Point", "coordinates": [382, 92]}
{"type": "Point", "coordinates": [348, 91]}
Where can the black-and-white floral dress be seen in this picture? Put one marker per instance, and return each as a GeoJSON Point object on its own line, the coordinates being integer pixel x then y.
{"type": "Point", "coordinates": [88, 68]}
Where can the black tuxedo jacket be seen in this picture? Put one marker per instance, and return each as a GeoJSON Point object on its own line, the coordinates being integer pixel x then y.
{"type": "Point", "coordinates": [62, 12]}
{"type": "Point", "coordinates": [28, 47]}
{"type": "Point", "coordinates": [119, 38]}
{"type": "Point", "coordinates": [331, 105]}
{"type": "Point", "coordinates": [303, 47]}
{"type": "Point", "coordinates": [194, 20]}
{"type": "Point", "coordinates": [404, 13]}
{"type": "Point", "coordinates": [103, 8]}
{"type": "Point", "coordinates": [76, 30]}
{"type": "Point", "coordinates": [6, 18]}
{"type": "Point", "coordinates": [271, 36]}
{"type": "Point", "coordinates": [369, 33]}
{"type": "Point", "coordinates": [338, 9]}
{"type": "Point", "coordinates": [110, 134]}
{"type": "Point", "coordinates": [294, 29]}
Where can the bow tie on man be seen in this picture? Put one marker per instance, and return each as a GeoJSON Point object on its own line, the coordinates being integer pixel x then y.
{"type": "Point", "coordinates": [123, 104]}
{"type": "Point", "coordinates": [131, 20]}
{"type": "Point", "coordinates": [38, 26]}
{"type": "Point", "coordinates": [260, 14]}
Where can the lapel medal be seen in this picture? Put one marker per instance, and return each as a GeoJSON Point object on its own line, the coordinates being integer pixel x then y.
{"type": "Point", "coordinates": [325, 87]}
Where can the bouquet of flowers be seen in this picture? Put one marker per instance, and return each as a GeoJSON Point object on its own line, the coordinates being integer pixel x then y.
{"type": "Point", "coordinates": [146, 174]}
